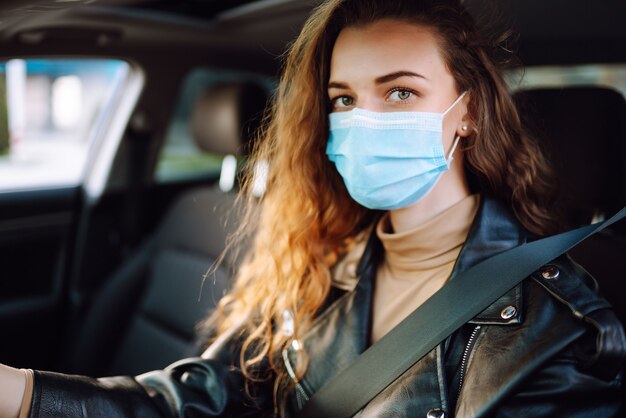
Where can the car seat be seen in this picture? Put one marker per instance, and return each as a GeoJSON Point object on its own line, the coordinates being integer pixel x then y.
{"type": "Point", "coordinates": [144, 316]}
{"type": "Point", "coordinates": [584, 133]}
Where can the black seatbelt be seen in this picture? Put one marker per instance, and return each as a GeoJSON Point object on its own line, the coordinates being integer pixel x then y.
{"type": "Point", "coordinates": [453, 305]}
{"type": "Point", "coordinates": [138, 141]}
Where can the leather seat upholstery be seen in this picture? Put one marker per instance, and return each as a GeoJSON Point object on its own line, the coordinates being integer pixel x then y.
{"type": "Point", "coordinates": [145, 315]}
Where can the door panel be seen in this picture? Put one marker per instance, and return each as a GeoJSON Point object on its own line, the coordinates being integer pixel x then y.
{"type": "Point", "coordinates": [36, 229]}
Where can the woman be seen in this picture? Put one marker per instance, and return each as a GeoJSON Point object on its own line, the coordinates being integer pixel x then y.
{"type": "Point", "coordinates": [420, 171]}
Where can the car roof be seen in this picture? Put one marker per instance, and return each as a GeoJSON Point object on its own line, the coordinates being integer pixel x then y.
{"type": "Point", "coordinates": [251, 35]}
{"type": "Point", "coordinates": [248, 33]}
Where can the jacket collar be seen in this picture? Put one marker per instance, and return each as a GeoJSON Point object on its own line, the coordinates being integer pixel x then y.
{"type": "Point", "coordinates": [495, 229]}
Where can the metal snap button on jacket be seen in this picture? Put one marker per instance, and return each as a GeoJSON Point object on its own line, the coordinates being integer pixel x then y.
{"type": "Point", "coordinates": [435, 413]}
{"type": "Point", "coordinates": [508, 312]}
{"type": "Point", "coordinates": [550, 272]}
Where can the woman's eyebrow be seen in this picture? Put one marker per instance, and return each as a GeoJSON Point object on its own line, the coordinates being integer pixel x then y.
{"type": "Point", "coordinates": [379, 80]}
{"type": "Point", "coordinates": [390, 77]}
{"type": "Point", "coordinates": [337, 85]}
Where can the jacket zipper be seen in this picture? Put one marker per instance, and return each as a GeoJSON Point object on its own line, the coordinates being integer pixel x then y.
{"type": "Point", "coordinates": [301, 394]}
{"type": "Point", "coordinates": [466, 353]}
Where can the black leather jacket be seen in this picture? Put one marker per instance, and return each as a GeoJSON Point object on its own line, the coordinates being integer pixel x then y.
{"type": "Point", "coordinates": [550, 347]}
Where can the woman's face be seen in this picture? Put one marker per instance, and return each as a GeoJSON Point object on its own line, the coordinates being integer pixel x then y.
{"type": "Point", "coordinates": [394, 66]}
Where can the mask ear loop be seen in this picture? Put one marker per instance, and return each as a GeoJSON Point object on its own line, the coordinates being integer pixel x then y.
{"type": "Point", "coordinates": [458, 137]}
{"type": "Point", "coordinates": [456, 142]}
{"type": "Point", "coordinates": [455, 103]}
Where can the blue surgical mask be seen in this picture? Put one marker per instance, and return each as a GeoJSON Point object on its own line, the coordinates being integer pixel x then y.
{"type": "Point", "coordinates": [388, 160]}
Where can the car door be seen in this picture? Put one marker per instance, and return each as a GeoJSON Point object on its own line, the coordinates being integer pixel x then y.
{"type": "Point", "coordinates": [52, 117]}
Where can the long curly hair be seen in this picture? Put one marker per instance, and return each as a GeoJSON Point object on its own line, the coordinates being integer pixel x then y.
{"type": "Point", "coordinates": [306, 220]}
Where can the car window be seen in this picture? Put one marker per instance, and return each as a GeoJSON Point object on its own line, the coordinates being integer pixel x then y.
{"type": "Point", "coordinates": [49, 112]}
{"type": "Point", "coordinates": [180, 158]}
{"type": "Point", "coordinates": [607, 75]}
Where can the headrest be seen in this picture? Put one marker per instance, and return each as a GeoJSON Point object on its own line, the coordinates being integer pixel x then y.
{"type": "Point", "coordinates": [583, 131]}
{"type": "Point", "coordinates": [226, 116]}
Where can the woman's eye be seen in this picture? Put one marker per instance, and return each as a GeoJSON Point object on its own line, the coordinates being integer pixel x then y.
{"type": "Point", "coordinates": [400, 95]}
{"type": "Point", "coordinates": [343, 101]}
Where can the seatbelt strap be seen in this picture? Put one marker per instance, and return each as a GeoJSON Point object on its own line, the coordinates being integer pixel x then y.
{"type": "Point", "coordinates": [453, 305]}
{"type": "Point", "coordinates": [138, 138]}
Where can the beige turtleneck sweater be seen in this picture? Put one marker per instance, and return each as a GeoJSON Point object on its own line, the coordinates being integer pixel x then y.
{"type": "Point", "coordinates": [417, 263]}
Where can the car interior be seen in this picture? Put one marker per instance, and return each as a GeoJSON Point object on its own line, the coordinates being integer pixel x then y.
{"type": "Point", "coordinates": [111, 273]}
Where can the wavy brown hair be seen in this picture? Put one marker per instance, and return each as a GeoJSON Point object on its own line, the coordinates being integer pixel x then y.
{"type": "Point", "coordinates": [306, 220]}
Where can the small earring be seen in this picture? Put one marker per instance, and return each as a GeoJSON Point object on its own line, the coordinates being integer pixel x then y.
{"type": "Point", "coordinates": [464, 128]}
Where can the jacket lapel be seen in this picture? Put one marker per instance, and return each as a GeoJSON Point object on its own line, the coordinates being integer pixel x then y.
{"type": "Point", "coordinates": [338, 336]}
{"type": "Point", "coordinates": [342, 332]}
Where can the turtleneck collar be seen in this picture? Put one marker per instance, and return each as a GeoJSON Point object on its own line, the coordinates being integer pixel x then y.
{"type": "Point", "coordinates": [428, 246]}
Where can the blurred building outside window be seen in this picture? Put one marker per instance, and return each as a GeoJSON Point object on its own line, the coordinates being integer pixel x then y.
{"type": "Point", "coordinates": [51, 107]}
